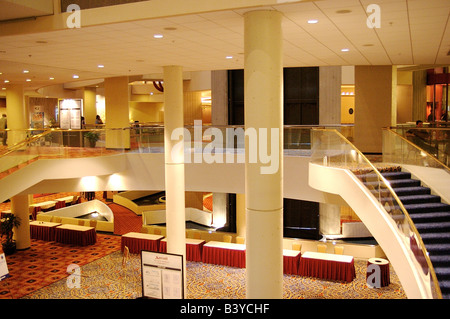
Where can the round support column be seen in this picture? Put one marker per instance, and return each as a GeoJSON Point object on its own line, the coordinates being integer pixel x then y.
{"type": "Point", "coordinates": [16, 113]}
{"type": "Point", "coordinates": [117, 113]}
{"type": "Point", "coordinates": [174, 162]}
{"type": "Point", "coordinates": [20, 208]}
{"type": "Point", "coordinates": [263, 84]}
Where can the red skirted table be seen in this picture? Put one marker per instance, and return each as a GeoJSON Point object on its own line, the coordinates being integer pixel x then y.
{"type": "Point", "coordinates": [291, 261]}
{"type": "Point", "coordinates": [221, 253]}
{"type": "Point", "coordinates": [194, 248]}
{"type": "Point", "coordinates": [377, 275]}
{"type": "Point", "coordinates": [140, 241]}
{"type": "Point", "coordinates": [43, 230]}
{"type": "Point", "coordinates": [327, 266]}
{"type": "Point", "coordinates": [75, 235]}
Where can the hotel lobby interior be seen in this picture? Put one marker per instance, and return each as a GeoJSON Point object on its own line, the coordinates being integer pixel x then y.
{"type": "Point", "coordinates": [257, 149]}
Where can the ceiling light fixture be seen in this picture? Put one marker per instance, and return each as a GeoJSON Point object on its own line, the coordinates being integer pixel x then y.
{"type": "Point", "coordinates": [158, 36]}
{"type": "Point", "coordinates": [228, 57]}
{"type": "Point", "coordinates": [313, 21]}
{"type": "Point", "coordinates": [100, 66]}
{"type": "Point", "coordinates": [26, 71]}
{"type": "Point", "coordinates": [75, 76]}
{"type": "Point", "coordinates": [345, 50]}
{"type": "Point", "coordinates": [28, 80]}
{"type": "Point", "coordinates": [6, 81]}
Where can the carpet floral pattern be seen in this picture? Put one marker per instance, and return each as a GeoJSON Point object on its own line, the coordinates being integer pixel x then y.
{"type": "Point", "coordinates": [107, 278]}
{"type": "Point", "coordinates": [46, 262]}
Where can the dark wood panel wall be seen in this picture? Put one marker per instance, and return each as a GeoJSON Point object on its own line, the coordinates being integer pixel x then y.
{"type": "Point", "coordinates": [301, 107]}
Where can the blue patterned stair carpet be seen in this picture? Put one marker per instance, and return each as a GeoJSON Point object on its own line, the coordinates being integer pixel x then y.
{"type": "Point", "coordinates": [430, 216]}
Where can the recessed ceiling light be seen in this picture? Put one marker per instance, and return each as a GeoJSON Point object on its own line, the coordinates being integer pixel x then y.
{"type": "Point", "coordinates": [100, 66]}
{"type": "Point", "coordinates": [26, 71]}
{"type": "Point", "coordinates": [1, 73]}
{"type": "Point", "coordinates": [343, 11]}
{"type": "Point", "coordinates": [28, 80]}
{"type": "Point", "coordinates": [170, 28]}
{"type": "Point", "coordinates": [3, 88]}
{"type": "Point", "coordinates": [51, 78]}
{"type": "Point", "coordinates": [75, 76]}
{"type": "Point", "coordinates": [313, 21]}
{"type": "Point", "coordinates": [345, 50]}
{"type": "Point", "coordinates": [6, 81]}
{"type": "Point", "coordinates": [228, 57]}
{"type": "Point", "coordinates": [158, 36]}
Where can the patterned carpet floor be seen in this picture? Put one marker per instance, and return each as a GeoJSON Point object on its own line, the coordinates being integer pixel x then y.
{"type": "Point", "coordinates": [107, 278]}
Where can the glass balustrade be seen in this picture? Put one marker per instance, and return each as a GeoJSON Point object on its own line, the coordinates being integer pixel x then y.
{"type": "Point", "coordinates": [330, 148]}
{"type": "Point", "coordinates": [433, 140]}
{"type": "Point", "coordinates": [410, 148]}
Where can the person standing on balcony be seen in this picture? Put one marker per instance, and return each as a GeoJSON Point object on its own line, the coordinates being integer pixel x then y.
{"type": "Point", "coordinates": [3, 127]}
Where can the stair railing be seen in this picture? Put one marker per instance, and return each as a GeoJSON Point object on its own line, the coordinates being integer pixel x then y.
{"type": "Point", "coordinates": [330, 148]}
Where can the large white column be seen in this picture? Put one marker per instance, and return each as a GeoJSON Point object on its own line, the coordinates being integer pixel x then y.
{"type": "Point", "coordinates": [174, 162]}
{"type": "Point", "coordinates": [263, 84]}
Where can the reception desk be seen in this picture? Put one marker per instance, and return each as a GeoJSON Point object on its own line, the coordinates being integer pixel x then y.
{"type": "Point", "coordinates": [140, 241]}
{"type": "Point", "coordinates": [327, 266]}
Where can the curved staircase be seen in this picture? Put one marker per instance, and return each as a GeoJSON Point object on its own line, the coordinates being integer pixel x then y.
{"type": "Point", "coordinates": [431, 218]}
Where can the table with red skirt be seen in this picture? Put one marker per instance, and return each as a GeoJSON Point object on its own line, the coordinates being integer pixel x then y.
{"type": "Point", "coordinates": [327, 266]}
{"type": "Point", "coordinates": [140, 241]}
{"type": "Point", "coordinates": [43, 230]}
{"type": "Point", "coordinates": [194, 248]}
{"type": "Point", "coordinates": [378, 273]}
{"type": "Point", "coordinates": [75, 235]}
{"type": "Point", "coordinates": [291, 261]}
{"type": "Point", "coordinates": [221, 253]}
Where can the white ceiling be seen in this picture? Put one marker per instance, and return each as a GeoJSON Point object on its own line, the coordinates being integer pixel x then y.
{"type": "Point", "coordinates": [412, 32]}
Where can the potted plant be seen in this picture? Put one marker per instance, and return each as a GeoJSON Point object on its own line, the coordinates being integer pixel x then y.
{"type": "Point", "coordinates": [7, 225]}
{"type": "Point", "coordinates": [93, 137]}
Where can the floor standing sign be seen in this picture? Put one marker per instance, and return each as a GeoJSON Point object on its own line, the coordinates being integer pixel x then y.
{"type": "Point", "coordinates": [4, 273]}
{"type": "Point", "coordinates": [162, 275]}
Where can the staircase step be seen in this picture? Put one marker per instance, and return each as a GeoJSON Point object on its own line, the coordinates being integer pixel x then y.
{"type": "Point", "coordinates": [435, 238]}
{"type": "Point", "coordinates": [433, 227]}
{"type": "Point", "coordinates": [417, 199]}
{"type": "Point", "coordinates": [430, 217]}
{"type": "Point", "coordinates": [427, 207]}
{"type": "Point", "coordinates": [396, 175]}
{"type": "Point", "coordinates": [438, 249]}
{"type": "Point", "coordinates": [396, 183]}
{"type": "Point", "coordinates": [442, 272]}
{"type": "Point", "coordinates": [440, 260]}
{"type": "Point", "coordinates": [417, 190]}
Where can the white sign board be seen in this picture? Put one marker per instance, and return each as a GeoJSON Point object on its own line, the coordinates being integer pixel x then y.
{"type": "Point", "coordinates": [4, 273]}
{"type": "Point", "coordinates": [162, 275]}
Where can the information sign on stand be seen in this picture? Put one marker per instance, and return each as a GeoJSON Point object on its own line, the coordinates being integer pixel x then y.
{"type": "Point", "coordinates": [70, 114]}
{"type": "Point", "coordinates": [162, 275]}
{"type": "Point", "coordinates": [4, 273]}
